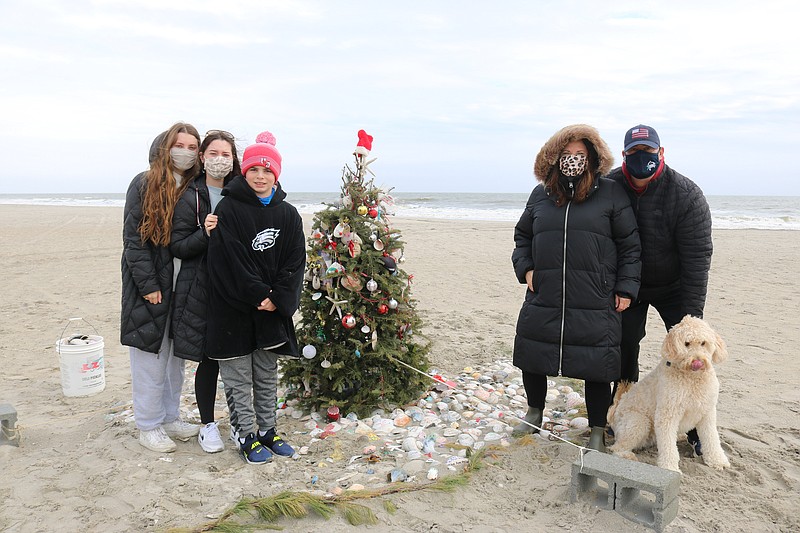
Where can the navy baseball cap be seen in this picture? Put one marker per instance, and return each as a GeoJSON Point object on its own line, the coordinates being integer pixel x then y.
{"type": "Point", "coordinates": [642, 134]}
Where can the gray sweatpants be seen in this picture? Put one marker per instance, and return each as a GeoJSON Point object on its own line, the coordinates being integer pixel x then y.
{"type": "Point", "coordinates": [156, 383]}
{"type": "Point", "coordinates": [252, 382]}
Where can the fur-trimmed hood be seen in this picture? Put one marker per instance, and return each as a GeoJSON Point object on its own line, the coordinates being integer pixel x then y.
{"type": "Point", "coordinates": [550, 152]}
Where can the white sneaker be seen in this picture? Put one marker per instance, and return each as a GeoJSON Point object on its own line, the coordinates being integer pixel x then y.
{"type": "Point", "coordinates": [181, 430]}
{"type": "Point", "coordinates": [235, 437]}
{"type": "Point", "coordinates": [210, 439]}
{"type": "Point", "coordinates": [157, 440]}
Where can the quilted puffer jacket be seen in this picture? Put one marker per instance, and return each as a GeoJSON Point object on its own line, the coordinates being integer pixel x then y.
{"type": "Point", "coordinates": [675, 229]}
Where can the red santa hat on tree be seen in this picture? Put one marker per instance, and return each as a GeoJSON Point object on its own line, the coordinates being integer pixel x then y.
{"type": "Point", "coordinates": [364, 144]}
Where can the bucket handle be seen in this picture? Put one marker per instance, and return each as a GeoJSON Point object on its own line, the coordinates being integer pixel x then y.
{"type": "Point", "coordinates": [69, 321]}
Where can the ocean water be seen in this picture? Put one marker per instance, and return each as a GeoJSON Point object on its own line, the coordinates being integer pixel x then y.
{"type": "Point", "coordinates": [727, 212]}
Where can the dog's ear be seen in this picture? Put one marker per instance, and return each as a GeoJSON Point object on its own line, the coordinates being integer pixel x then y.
{"type": "Point", "coordinates": [721, 351]}
{"type": "Point", "coordinates": [669, 348]}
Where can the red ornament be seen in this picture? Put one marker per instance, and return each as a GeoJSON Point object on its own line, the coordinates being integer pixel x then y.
{"type": "Point", "coordinates": [333, 413]}
{"type": "Point", "coordinates": [349, 321]}
{"type": "Point", "coordinates": [383, 309]}
{"type": "Point", "coordinates": [373, 212]}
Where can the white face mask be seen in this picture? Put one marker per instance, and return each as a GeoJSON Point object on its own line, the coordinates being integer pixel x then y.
{"type": "Point", "coordinates": [218, 167]}
{"type": "Point", "coordinates": [182, 158]}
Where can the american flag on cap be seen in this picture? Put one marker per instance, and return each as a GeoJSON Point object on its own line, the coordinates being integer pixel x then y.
{"type": "Point", "coordinates": [640, 133]}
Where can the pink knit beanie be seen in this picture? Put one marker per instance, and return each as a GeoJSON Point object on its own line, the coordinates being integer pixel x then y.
{"type": "Point", "coordinates": [262, 153]}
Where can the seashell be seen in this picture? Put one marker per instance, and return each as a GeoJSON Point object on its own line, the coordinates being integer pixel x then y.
{"type": "Point", "coordinates": [355, 486]}
{"type": "Point", "coordinates": [410, 443]}
{"type": "Point", "coordinates": [325, 364]}
{"type": "Point", "coordinates": [432, 474]}
{"type": "Point", "coordinates": [315, 282]}
{"type": "Point", "coordinates": [369, 450]}
{"type": "Point", "coordinates": [402, 420]}
{"type": "Point", "coordinates": [579, 422]}
{"type": "Point", "coordinates": [309, 351]}
{"type": "Point", "coordinates": [351, 282]}
{"type": "Point", "coordinates": [378, 245]}
{"type": "Point", "coordinates": [316, 296]}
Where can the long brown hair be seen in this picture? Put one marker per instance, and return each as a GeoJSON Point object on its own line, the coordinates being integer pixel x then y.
{"type": "Point", "coordinates": [160, 191]}
{"type": "Point", "coordinates": [584, 183]}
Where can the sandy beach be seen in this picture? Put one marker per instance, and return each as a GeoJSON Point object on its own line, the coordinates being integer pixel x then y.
{"type": "Point", "coordinates": [79, 468]}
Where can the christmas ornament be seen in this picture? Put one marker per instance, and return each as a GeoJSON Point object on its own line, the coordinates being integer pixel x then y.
{"type": "Point", "coordinates": [362, 210]}
{"type": "Point", "coordinates": [373, 213]}
{"type": "Point", "coordinates": [392, 303]}
{"type": "Point", "coordinates": [309, 351]}
{"type": "Point", "coordinates": [378, 245]}
{"type": "Point", "coordinates": [333, 413]}
{"type": "Point", "coordinates": [349, 321]}
{"type": "Point", "coordinates": [325, 364]}
{"type": "Point", "coordinates": [372, 285]}
{"type": "Point", "coordinates": [373, 236]}
{"type": "Point", "coordinates": [383, 309]}
{"type": "Point", "coordinates": [365, 329]}
{"type": "Point", "coordinates": [358, 353]}
{"type": "Point", "coordinates": [389, 263]}
{"type": "Point", "coordinates": [334, 269]}
{"type": "Point", "coordinates": [316, 296]}
{"type": "Point", "coordinates": [351, 282]}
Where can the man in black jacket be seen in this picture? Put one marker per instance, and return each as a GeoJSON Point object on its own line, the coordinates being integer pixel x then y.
{"type": "Point", "coordinates": [675, 230]}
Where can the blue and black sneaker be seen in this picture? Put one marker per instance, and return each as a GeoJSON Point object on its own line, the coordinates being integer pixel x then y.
{"type": "Point", "coordinates": [253, 452]}
{"type": "Point", "coordinates": [278, 446]}
{"type": "Point", "coordinates": [694, 440]}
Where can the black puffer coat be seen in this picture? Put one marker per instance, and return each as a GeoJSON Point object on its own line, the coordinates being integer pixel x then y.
{"type": "Point", "coordinates": [256, 251]}
{"type": "Point", "coordinates": [675, 229]}
{"type": "Point", "coordinates": [582, 255]}
{"type": "Point", "coordinates": [146, 268]}
{"type": "Point", "coordinates": [190, 244]}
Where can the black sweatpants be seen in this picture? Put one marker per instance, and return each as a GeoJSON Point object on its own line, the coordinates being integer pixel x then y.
{"type": "Point", "coordinates": [205, 391]}
{"type": "Point", "coordinates": [598, 397]}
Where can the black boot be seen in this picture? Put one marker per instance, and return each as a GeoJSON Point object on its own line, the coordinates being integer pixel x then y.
{"type": "Point", "coordinates": [533, 416]}
{"type": "Point", "coordinates": [597, 439]}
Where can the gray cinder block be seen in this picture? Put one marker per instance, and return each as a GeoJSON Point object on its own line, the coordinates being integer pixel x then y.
{"type": "Point", "coordinates": [8, 424]}
{"type": "Point", "coordinates": [640, 492]}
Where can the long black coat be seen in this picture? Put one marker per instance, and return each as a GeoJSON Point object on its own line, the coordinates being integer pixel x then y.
{"type": "Point", "coordinates": [190, 243]}
{"type": "Point", "coordinates": [675, 228]}
{"type": "Point", "coordinates": [582, 255]}
{"type": "Point", "coordinates": [255, 252]}
{"type": "Point", "coordinates": [146, 268]}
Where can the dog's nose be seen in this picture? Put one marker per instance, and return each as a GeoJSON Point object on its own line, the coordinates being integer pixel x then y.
{"type": "Point", "coordinates": [697, 364]}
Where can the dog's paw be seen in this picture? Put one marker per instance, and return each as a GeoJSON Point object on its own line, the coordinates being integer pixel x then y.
{"type": "Point", "coordinates": [669, 465]}
{"type": "Point", "coordinates": [718, 464]}
{"type": "Point", "coordinates": [625, 454]}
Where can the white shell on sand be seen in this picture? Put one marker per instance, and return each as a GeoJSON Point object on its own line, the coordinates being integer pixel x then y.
{"type": "Point", "coordinates": [579, 422]}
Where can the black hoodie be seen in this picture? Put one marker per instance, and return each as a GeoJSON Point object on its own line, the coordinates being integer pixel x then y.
{"type": "Point", "coordinates": [256, 252]}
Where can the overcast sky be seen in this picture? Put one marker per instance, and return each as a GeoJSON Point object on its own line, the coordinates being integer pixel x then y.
{"type": "Point", "coordinates": [459, 95]}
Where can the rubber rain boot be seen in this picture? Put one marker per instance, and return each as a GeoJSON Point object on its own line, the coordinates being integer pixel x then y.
{"type": "Point", "coordinates": [597, 439]}
{"type": "Point", "coordinates": [533, 416]}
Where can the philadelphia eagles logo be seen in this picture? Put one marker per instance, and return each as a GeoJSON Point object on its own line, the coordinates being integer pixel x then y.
{"type": "Point", "coordinates": [265, 239]}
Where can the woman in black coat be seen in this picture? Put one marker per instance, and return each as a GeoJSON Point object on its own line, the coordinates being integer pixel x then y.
{"type": "Point", "coordinates": [192, 224]}
{"type": "Point", "coordinates": [147, 285]}
{"type": "Point", "coordinates": [577, 250]}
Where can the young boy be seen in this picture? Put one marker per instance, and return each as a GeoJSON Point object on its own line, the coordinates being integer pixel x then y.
{"type": "Point", "coordinates": [256, 257]}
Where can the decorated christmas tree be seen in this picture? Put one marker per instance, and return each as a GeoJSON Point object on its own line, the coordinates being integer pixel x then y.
{"type": "Point", "coordinates": [360, 330]}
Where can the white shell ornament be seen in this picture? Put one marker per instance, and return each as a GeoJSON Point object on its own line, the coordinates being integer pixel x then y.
{"type": "Point", "coordinates": [317, 295]}
{"type": "Point", "coordinates": [372, 285]}
{"type": "Point", "coordinates": [378, 245]}
{"type": "Point", "coordinates": [365, 329]}
{"type": "Point", "coordinates": [325, 364]}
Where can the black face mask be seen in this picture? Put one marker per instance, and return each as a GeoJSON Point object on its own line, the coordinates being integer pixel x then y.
{"type": "Point", "coordinates": [641, 164]}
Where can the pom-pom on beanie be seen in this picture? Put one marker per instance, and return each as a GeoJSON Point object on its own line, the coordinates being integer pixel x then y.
{"type": "Point", "coordinates": [262, 153]}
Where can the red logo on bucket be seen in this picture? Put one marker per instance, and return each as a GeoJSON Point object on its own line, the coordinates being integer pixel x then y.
{"type": "Point", "coordinates": [88, 367]}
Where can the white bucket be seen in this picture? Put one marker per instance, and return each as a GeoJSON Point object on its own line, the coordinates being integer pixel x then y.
{"type": "Point", "coordinates": [82, 364]}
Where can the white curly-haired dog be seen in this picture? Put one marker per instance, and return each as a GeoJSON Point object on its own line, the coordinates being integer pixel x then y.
{"type": "Point", "coordinates": [678, 395]}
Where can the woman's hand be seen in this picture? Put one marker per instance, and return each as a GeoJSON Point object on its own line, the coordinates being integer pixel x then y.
{"type": "Point", "coordinates": [529, 279]}
{"type": "Point", "coordinates": [267, 305]}
{"type": "Point", "coordinates": [622, 303]}
{"type": "Point", "coordinates": [153, 297]}
{"type": "Point", "coordinates": [210, 223]}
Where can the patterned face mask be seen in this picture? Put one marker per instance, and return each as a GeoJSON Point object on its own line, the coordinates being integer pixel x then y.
{"type": "Point", "coordinates": [572, 165]}
{"type": "Point", "coordinates": [218, 167]}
